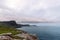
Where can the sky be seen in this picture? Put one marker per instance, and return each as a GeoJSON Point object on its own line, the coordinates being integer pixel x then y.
{"type": "Point", "coordinates": [30, 10]}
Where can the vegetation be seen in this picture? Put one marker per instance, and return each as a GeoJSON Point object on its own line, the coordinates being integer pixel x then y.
{"type": "Point", "coordinates": [7, 29]}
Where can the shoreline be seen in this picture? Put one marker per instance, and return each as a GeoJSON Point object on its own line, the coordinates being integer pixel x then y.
{"type": "Point", "coordinates": [16, 34]}
{"type": "Point", "coordinates": [8, 31]}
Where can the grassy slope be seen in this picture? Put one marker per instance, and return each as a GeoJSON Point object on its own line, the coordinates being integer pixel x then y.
{"type": "Point", "coordinates": [7, 29]}
{"type": "Point", "coordinates": [4, 28]}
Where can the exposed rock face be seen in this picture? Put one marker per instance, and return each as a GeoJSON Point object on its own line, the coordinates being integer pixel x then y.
{"type": "Point", "coordinates": [27, 36]}
{"type": "Point", "coordinates": [5, 38]}
{"type": "Point", "coordinates": [23, 36]}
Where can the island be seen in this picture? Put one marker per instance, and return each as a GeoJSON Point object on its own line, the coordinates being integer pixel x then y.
{"type": "Point", "coordinates": [8, 31]}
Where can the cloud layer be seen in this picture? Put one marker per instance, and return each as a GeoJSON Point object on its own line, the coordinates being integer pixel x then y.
{"type": "Point", "coordinates": [40, 10]}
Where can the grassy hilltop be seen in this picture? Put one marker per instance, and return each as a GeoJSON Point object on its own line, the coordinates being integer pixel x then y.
{"type": "Point", "coordinates": [8, 26]}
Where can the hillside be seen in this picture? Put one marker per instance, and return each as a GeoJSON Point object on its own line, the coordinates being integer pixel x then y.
{"type": "Point", "coordinates": [8, 31]}
{"type": "Point", "coordinates": [12, 24]}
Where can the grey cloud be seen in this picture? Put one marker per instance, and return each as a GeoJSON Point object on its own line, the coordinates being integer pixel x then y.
{"type": "Point", "coordinates": [47, 9]}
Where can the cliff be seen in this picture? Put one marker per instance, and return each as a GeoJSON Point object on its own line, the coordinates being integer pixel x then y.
{"type": "Point", "coordinates": [12, 24]}
{"type": "Point", "coordinates": [8, 31]}
{"type": "Point", "coordinates": [14, 34]}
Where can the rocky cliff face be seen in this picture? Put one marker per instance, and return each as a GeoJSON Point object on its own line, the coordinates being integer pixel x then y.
{"type": "Point", "coordinates": [22, 36]}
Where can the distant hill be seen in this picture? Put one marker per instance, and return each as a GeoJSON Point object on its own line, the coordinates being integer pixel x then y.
{"type": "Point", "coordinates": [11, 24]}
{"type": "Point", "coordinates": [8, 24]}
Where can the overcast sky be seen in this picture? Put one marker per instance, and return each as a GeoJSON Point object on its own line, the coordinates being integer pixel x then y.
{"type": "Point", "coordinates": [40, 10]}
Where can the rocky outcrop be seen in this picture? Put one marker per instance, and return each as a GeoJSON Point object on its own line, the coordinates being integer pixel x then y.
{"type": "Point", "coordinates": [23, 36]}
{"type": "Point", "coordinates": [27, 36]}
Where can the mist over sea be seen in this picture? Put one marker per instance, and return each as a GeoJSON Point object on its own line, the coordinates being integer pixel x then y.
{"type": "Point", "coordinates": [44, 31]}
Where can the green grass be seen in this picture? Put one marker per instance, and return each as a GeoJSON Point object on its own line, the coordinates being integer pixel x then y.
{"type": "Point", "coordinates": [10, 29]}
{"type": "Point", "coordinates": [4, 28]}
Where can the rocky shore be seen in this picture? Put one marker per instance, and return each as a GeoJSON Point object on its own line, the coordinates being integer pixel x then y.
{"type": "Point", "coordinates": [22, 36]}
{"type": "Point", "coordinates": [8, 31]}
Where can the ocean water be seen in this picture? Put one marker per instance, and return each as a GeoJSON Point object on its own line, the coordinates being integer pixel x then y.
{"type": "Point", "coordinates": [44, 31]}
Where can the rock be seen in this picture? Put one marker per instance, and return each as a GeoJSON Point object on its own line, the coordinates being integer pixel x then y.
{"type": "Point", "coordinates": [5, 38]}
{"type": "Point", "coordinates": [27, 36]}
{"type": "Point", "coordinates": [23, 36]}
{"type": "Point", "coordinates": [5, 34]}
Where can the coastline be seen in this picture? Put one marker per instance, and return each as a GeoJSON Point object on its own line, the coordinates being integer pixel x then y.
{"type": "Point", "coordinates": [22, 35]}
{"type": "Point", "coordinates": [8, 31]}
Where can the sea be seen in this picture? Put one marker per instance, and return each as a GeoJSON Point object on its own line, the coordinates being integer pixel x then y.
{"type": "Point", "coordinates": [44, 31]}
